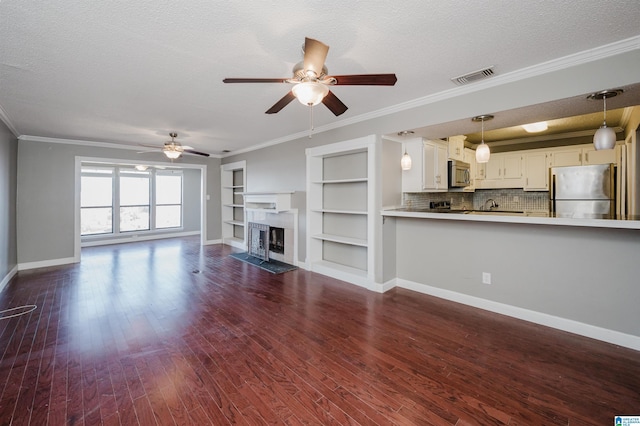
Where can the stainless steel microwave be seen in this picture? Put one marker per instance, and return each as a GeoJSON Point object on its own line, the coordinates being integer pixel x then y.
{"type": "Point", "coordinates": [459, 174]}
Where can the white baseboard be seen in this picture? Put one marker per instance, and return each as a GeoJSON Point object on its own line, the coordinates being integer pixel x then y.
{"type": "Point", "coordinates": [211, 242]}
{"type": "Point", "coordinates": [137, 237]}
{"type": "Point", "coordinates": [571, 326]}
{"type": "Point", "coordinates": [8, 277]}
{"type": "Point", "coordinates": [47, 263]}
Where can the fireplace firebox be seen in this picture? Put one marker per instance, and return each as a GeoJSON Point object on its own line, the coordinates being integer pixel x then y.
{"type": "Point", "coordinates": [263, 239]}
{"type": "Point", "coordinates": [276, 239]}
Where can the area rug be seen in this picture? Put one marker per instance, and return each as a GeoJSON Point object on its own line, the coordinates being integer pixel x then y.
{"type": "Point", "coordinates": [273, 266]}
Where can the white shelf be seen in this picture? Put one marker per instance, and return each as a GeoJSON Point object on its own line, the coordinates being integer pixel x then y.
{"type": "Point", "coordinates": [356, 212]}
{"type": "Point", "coordinates": [341, 239]}
{"type": "Point", "coordinates": [341, 180]}
{"type": "Point", "coordinates": [233, 183]}
{"type": "Point", "coordinates": [234, 222]}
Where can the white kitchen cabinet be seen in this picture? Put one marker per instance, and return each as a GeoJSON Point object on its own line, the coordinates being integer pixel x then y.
{"type": "Point", "coordinates": [434, 170]}
{"type": "Point", "coordinates": [570, 156]}
{"type": "Point", "coordinates": [604, 156]}
{"type": "Point", "coordinates": [456, 147]}
{"type": "Point", "coordinates": [581, 155]}
{"type": "Point", "coordinates": [536, 171]}
{"type": "Point", "coordinates": [503, 170]}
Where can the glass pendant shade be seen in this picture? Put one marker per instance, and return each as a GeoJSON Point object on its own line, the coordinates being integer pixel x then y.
{"type": "Point", "coordinates": [604, 138]}
{"type": "Point", "coordinates": [483, 153]}
{"type": "Point", "coordinates": [172, 154]}
{"type": "Point", "coordinates": [310, 92]}
{"type": "Point", "coordinates": [405, 162]}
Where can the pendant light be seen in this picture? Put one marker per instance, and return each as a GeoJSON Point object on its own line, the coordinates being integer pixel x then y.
{"type": "Point", "coordinates": [482, 151]}
{"type": "Point", "coordinates": [605, 137]}
{"type": "Point", "coordinates": [405, 161]}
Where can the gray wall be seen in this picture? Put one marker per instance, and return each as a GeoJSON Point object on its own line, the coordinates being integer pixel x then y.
{"type": "Point", "coordinates": [282, 167]}
{"type": "Point", "coordinates": [45, 201]}
{"type": "Point", "coordinates": [8, 179]}
{"type": "Point", "coordinates": [589, 275]}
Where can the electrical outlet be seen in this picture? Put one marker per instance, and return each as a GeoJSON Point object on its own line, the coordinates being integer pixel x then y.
{"type": "Point", "coordinates": [486, 278]}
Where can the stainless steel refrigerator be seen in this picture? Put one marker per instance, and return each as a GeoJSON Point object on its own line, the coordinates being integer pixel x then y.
{"type": "Point", "coordinates": [583, 191]}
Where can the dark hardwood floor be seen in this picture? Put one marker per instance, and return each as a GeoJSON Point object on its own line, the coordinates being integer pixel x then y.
{"type": "Point", "coordinates": [168, 332]}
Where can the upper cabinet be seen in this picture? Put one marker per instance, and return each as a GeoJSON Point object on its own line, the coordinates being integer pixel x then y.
{"type": "Point", "coordinates": [504, 170]}
{"type": "Point", "coordinates": [428, 172]}
{"type": "Point", "coordinates": [434, 171]}
{"type": "Point", "coordinates": [456, 147]}
{"type": "Point", "coordinates": [536, 171]}
{"type": "Point", "coordinates": [581, 156]}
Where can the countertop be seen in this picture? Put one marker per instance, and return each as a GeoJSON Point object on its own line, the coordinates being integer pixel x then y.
{"type": "Point", "coordinates": [523, 217]}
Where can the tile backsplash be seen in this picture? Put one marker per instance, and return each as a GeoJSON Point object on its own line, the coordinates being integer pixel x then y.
{"type": "Point", "coordinates": [507, 199]}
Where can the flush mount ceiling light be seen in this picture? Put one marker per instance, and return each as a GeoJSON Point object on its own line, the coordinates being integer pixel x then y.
{"type": "Point", "coordinates": [540, 126]}
{"type": "Point", "coordinates": [482, 151]}
{"type": "Point", "coordinates": [405, 162]}
{"type": "Point", "coordinates": [141, 168]}
{"type": "Point", "coordinates": [605, 137]}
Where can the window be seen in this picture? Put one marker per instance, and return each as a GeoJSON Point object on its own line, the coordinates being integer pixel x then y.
{"type": "Point", "coordinates": [168, 200]}
{"type": "Point", "coordinates": [96, 200]}
{"type": "Point", "coordinates": [115, 200]}
{"type": "Point", "coordinates": [134, 200]}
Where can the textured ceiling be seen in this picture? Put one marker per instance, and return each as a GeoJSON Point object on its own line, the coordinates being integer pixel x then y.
{"type": "Point", "coordinates": [131, 72]}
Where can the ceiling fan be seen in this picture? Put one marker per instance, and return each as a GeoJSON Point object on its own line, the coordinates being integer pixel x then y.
{"type": "Point", "coordinates": [174, 150]}
{"type": "Point", "coordinates": [311, 80]}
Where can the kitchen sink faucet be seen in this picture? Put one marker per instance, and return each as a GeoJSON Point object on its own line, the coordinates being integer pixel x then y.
{"type": "Point", "coordinates": [493, 204]}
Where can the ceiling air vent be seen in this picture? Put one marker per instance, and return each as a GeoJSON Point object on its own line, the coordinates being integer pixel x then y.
{"type": "Point", "coordinates": [473, 76]}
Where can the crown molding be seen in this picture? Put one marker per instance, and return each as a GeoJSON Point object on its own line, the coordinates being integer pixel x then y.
{"type": "Point", "coordinates": [4, 117]}
{"type": "Point", "coordinates": [586, 56]}
{"type": "Point", "coordinates": [80, 142]}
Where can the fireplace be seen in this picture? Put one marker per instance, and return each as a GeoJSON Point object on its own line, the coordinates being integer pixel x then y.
{"type": "Point", "coordinates": [272, 226]}
{"type": "Point", "coordinates": [265, 239]}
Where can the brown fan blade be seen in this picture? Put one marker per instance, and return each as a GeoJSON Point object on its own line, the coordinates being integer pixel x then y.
{"type": "Point", "coordinates": [194, 152]}
{"type": "Point", "coordinates": [366, 79]}
{"type": "Point", "coordinates": [255, 80]}
{"type": "Point", "coordinates": [315, 53]}
{"type": "Point", "coordinates": [281, 103]}
{"type": "Point", "coordinates": [334, 104]}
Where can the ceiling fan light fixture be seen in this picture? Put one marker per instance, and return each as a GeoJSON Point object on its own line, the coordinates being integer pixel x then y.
{"type": "Point", "coordinates": [540, 126]}
{"type": "Point", "coordinates": [172, 154]}
{"type": "Point", "coordinates": [310, 92]}
{"type": "Point", "coordinates": [605, 137]}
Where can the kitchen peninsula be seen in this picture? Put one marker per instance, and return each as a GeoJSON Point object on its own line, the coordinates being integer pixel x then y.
{"type": "Point", "coordinates": [577, 275]}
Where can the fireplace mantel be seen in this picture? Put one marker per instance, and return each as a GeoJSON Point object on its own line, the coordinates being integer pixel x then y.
{"type": "Point", "coordinates": [268, 201]}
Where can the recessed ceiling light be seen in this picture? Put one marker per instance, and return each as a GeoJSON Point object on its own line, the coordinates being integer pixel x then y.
{"type": "Point", "coordinates": [405, 133]}
{"type": "Point", "coordinates": [541, 126]}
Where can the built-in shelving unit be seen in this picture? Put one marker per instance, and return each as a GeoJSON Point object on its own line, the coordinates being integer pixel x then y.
{"type": "Point", "coordinates": [341, 205]}
{"type": "Point", "coordinates": [233, 178]}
